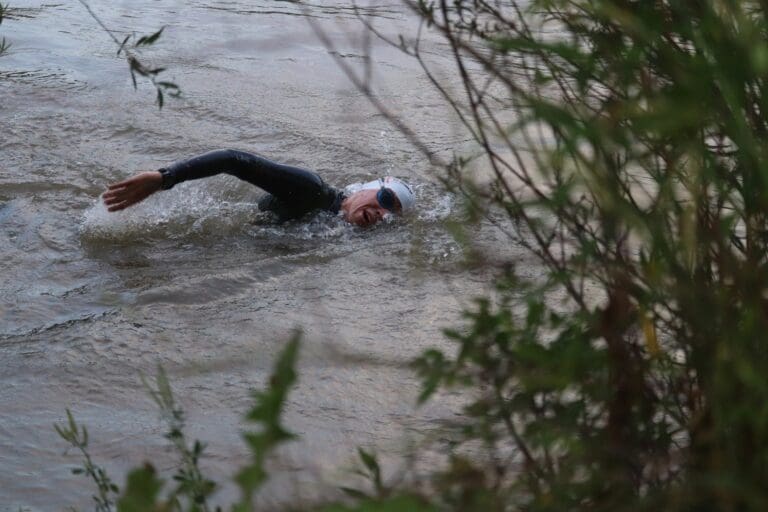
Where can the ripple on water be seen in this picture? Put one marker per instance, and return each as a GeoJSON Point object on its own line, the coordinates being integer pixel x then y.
{"type": "Point", "coordinates": [45, 78]}
{"type": "Point", "coordinates": [16, 13]}
{"type": "Point", "coordinates": [308, 10]}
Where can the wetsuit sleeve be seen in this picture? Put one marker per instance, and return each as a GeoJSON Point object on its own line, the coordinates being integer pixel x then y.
{"type": "Point", "coordinates": [285, 182]}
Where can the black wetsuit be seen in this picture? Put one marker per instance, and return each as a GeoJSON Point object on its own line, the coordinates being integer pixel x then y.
{"type": "Point", "coordinates": [293, 192]}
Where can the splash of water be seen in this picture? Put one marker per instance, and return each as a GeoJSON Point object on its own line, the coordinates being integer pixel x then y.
{"type": "Point", "coordinates": [208, 211]}
{"type": "Point", "coordinates": [182, 212]}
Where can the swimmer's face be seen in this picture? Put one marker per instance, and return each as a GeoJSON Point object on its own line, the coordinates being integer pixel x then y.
{"type": "Point", "coordinates": [363, 208]}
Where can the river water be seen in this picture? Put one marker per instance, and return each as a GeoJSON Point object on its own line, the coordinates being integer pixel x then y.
{"type": "Point", "coordinates": [196, 279]}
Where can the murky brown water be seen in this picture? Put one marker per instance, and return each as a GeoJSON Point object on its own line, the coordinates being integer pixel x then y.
{"type": "Point", "coordinates": [195, 279]}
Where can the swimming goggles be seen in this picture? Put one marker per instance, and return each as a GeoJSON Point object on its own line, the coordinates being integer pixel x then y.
{"type": "Point", "coordinates": [388, 200]}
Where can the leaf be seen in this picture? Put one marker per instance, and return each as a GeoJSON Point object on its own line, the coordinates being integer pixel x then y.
{"type": "Point", "coordinates": [649, 332]}
{"type": "Point", "coordinates": [353, 493]}
{"type": "Point", "coordinates": [141, 491]}
{"type": "Point", "coordinates": [64, 435]}
{"type": "Point", "coordinates": [250, 478]}
{"type": "Point", "coordinates": [147, 40]}
{"type": "Point", "coordinates": [368, 460]}
{"type": "Point", "coordinates": [266, 414]}
{"type": "Point", "coordinates": [71, 420]}
{"type": "Point", "coordinates": [431, 367]}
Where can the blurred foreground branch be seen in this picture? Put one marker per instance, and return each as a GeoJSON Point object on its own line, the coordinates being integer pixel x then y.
{"type": "Point", "coordinates": [129, 48]}
{"type": "Point", "coordinates": [625, 143]}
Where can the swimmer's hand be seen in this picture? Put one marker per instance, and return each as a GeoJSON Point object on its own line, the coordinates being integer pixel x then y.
{"type": "Point", "coordinates": [133, 190]}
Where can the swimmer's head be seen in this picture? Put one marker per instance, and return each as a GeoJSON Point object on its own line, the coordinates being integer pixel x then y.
{"type": "Point", "coordinates": [376, 199]}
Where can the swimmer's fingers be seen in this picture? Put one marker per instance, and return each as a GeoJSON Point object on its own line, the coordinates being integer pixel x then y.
{"type": "Point", "coordinates": [110, 200]}
{"type": "Point", "coordinates": [114, 204]}
{"type": "Point", "coordinates": [121, 202]}
{"type": "Point", "coordinates": [122, 193]}
{"type": "Point", "coordinates": [122, 185]}
{"type": "Point", "coordinates": [117, 195]}
{"type": "Point", "coordinates": [124, 198]}
{"type": "Point", "coordinates": [113, 193]}
{"type": "Point", "coordinates": [118, 206]}
{"type": "Point", "coordinates": [135, 189]}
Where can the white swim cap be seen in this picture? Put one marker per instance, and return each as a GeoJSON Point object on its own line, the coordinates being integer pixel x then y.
{"type": "Point", "coordinates": [402, 190]}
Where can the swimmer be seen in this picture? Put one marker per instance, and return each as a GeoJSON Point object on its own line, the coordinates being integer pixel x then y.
{"type": "Point", "coordinates": [292, 191]}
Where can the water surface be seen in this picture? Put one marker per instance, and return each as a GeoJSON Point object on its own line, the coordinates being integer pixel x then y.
{"type": "Point", "coordinates": [196, 279]}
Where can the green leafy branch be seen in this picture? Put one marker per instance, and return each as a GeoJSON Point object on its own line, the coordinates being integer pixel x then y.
{"type": "Point", "coordinates": [191, 482]}
{"type": "Point", "coordinates": [266, 414]}
{"type": "Point", "coordinates": [143, 487]}
{"type": "Point", "coordinates": [372, 473]}
{"type": "Point", "coordinates": [129, 48]}
{"type": "Point", "coordinates": [77, 437]}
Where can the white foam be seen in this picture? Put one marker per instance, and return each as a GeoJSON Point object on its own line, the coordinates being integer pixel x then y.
{"type": "Point", "coordinates": [181, 212]}
{"type": "Point", "coordinates": [437, 207]}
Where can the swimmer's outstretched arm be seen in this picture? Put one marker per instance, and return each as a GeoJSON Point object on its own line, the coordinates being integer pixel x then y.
{"type": "Point", "coordinates": [282, 181]}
